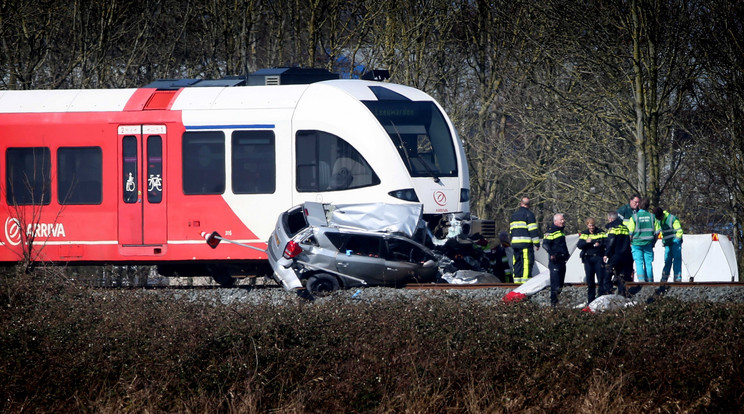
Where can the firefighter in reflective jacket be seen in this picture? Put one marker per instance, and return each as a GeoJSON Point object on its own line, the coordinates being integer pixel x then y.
{"type": "Point", "coordinates": [524, 240]}
{"type": "Point", "coordinates": [671, 233]}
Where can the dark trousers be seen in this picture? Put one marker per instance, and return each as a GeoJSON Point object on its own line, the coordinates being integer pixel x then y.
{"type": "Point", "coordinates": [557, 277]}
{"type": "Point", "coordinates": [594, 267]}
{"type": "Point", "coordinates": [622, 272]}
{"type": "Point", "coordinates": [524, 260]}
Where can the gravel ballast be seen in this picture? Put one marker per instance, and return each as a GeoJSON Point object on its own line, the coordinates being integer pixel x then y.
{"type": "Point", "coordinates": [571, 296]}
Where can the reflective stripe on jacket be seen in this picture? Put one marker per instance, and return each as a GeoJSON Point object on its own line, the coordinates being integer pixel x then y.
{"type": "Point", "coordinates": [618, 243]}
{"type": "Point", "coordinates": [523, 229]}
{"type": "Point", "coordinates": [625, 213]}
{"type": "Point", "coordinates": [670, 228]}
{"type": "Point", "coordinates": [643, 228]}
{"type": "Point", "coordinates": [588, 249]}
{"type": "Point", "coordinates": [554, 243]}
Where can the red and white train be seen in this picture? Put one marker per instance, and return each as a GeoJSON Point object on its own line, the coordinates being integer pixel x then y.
{"type": "Point", "coordinates": [134, 176]}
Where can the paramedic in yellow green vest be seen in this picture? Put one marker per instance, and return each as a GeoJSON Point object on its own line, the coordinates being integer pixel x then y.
{"type": "Point", "coordinates": [643, 230]}
{"type": "Point", "coordinates": [671, 236]}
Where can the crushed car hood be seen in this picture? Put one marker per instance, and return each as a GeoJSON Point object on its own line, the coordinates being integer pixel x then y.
{"type": "Point", "coordinates": [392, 218]}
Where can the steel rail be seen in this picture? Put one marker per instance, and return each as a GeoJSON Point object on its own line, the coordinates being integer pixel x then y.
{"type": "Point", "coordinates": [441, 286]}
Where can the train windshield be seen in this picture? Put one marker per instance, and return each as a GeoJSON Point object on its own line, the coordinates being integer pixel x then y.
{"type": "Point", "coordinates": [420, 133]}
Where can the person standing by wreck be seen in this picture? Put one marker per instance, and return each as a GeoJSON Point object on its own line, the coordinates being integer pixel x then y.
{"type": "Point", "coordinates": [618, 257]}
{"type": "Point", "coordinates": [524, 240]}
{"type": "Point", "coordinates": [592, 245]}
{"type": "Point", "coordinates": [626, 212]}
{"type": "Point", "coordinates": [643, 230]}
{"type": "Point", "coordinates": [671, 233]}
{"type": "Point", "coordinates": [500, 258]}
{"type": "Point", "coordinates": [555, 245]}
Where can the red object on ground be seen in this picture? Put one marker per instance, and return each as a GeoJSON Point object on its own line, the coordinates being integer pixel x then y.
{"type": "Point", "coordinates": [513, 297]}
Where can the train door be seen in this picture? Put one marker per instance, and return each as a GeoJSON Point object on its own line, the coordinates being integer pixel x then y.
{"type": "Point", "coordinates": [142, 200]}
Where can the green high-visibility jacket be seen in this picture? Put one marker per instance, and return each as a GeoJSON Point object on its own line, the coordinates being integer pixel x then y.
{"type": "Point", "coordinates": [643, 228]}
{"type": "Point", "coordinates": [671, 229]}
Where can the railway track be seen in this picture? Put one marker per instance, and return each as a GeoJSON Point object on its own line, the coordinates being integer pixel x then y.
{"type": "Point", "coordinates": [439, 286]}
{"type": "Point", "coordinates": [206, 283]}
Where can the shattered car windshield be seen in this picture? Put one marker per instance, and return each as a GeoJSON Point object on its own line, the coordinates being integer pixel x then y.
{"type": "Point", "coordinates": [421, 135]}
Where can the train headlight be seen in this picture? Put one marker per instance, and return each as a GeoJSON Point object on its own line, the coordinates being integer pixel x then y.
{"type": "Point", "coordinates": [407, 194]}
{"type": "Point", "coordinates": [464, 195]}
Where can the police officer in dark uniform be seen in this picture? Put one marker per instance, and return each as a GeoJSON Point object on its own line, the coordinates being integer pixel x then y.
{"type": "Point", "coordinates": [618, 257]}
{"type": "Point", "coordinates": [592, 245]}
{"type": "Point", "coordinates": [555, 245]}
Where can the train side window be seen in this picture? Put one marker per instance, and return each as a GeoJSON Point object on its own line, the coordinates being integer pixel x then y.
{"type": "Point", "coordinates": [154, 169]}
{"type": "Point", "coordinates": [130, 178]}
{"type": "Point", "coordinates": [253, 162]}
{"type": "Point", "coordinates": [79, 175]}
{"type": "Point", "coordinates": [326, 162]}
{"type": "Point", "coordinates": [203, 162]}
{"type": "Point", "coordinates": [27, 176]}
{"type": "Point", "coordinates": [307, 163]}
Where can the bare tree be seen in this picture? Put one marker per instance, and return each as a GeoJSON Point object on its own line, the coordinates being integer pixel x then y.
{"type": "Point", "coordinates": [635, 72]}
{"type": "Point", "coordinates": [28, 192]}
{"type": "Point", "coordinates": [29, 34]}
{"type": "Point", "coordinates": [498, 54]}
{"type": "Point", "coordinates": [719, 135]}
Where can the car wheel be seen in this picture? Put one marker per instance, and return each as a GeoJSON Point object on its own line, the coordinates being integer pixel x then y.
{"type": "Point", "coordinates": [321, 284]}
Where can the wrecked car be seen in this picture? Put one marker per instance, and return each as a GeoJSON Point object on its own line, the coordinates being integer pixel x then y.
{"type": "Point", "coordinates": [324, 247]}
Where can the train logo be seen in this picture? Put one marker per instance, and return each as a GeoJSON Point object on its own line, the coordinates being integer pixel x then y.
{"type": "Point", "coordinates": [440, 198]}
{"type": "Point", "coordinates": [13, 231]}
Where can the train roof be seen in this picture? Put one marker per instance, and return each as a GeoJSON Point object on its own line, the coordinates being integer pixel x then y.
{"type": "Point", "coordinates": [266, 77]}
{"type": "Point", "coordinates": [212, 95]}
{"type": "Point", "coordinates": [65, 100]}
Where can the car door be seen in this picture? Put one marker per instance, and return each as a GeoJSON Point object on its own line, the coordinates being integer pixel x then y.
{"type": "Point", "coordinates": [360, 257]}
{"type": "Point", "coordinates": [404, 262]}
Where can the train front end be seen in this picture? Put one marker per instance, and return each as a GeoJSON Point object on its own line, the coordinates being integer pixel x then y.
{"type": "Point", "coordinates": [428, 147]}
{"type": "Point", "coordinates": [404, 137]}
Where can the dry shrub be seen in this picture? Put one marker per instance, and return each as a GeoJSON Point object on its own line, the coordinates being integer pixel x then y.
{"type": "Point", "coordinates": [66, 347]}
{"type": "Point", "coordinates": [607, 393]}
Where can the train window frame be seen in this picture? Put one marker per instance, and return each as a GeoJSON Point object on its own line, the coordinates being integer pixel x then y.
{"type": "Point", "coordinates": [316, 172]}
{"type": "Point", "coordinates": [195, 168]}
{"type": "Point", "coordinates": [155, 175]}
{"type": "Point", "coordinates": [86, 190]}
{"type": "Point", "coordinates": [420, 133]}
{"type": "Point", "coordinates": [253, 162]}
{"type": "Point", "coordinates": [130, 169]}
{"type": "Point", "coordinates": [12, 160]}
